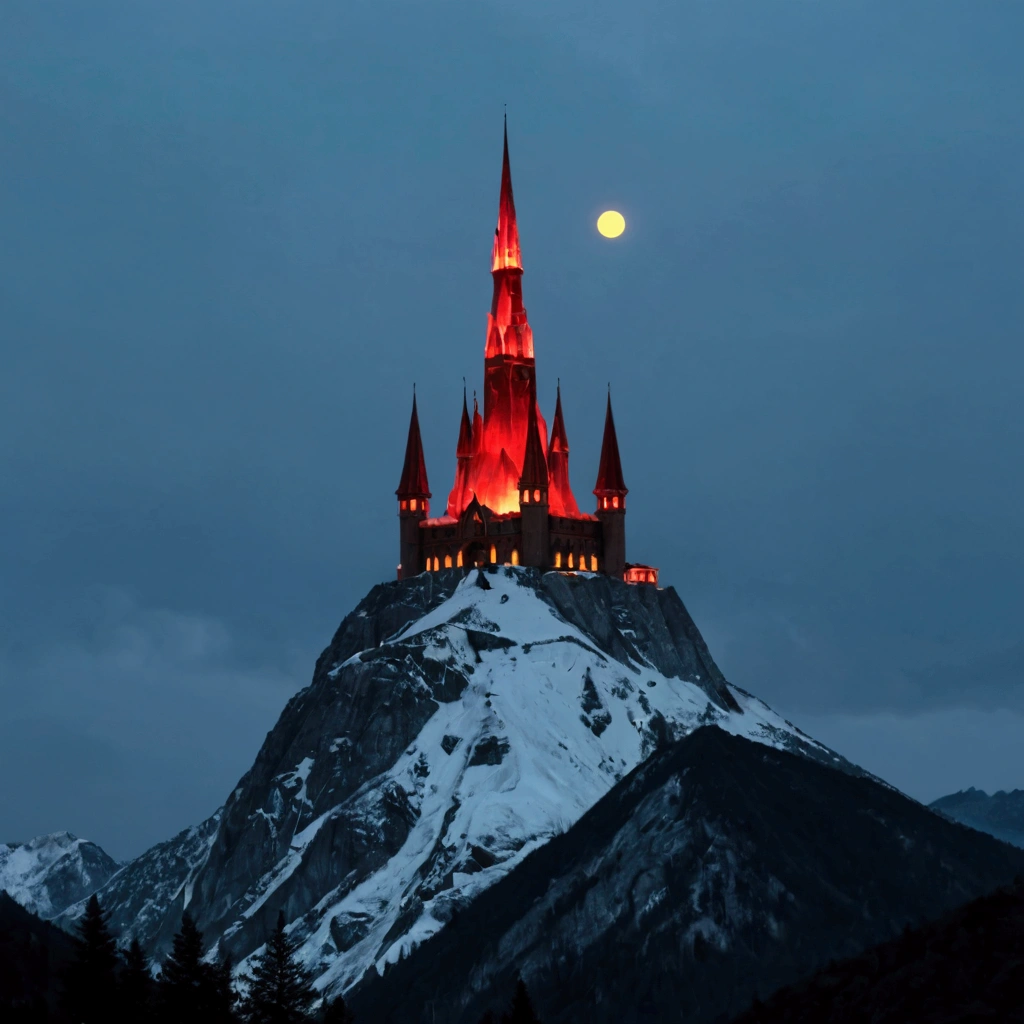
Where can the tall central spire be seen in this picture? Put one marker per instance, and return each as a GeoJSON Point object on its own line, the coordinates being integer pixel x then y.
{"type": "Point", "coordinates": [506, 254]}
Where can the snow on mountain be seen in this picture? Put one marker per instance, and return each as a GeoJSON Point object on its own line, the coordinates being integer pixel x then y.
{"type": "Point", "coordinates": [455, 724]}
{"type": "Point", "coordinates": [51, 872]}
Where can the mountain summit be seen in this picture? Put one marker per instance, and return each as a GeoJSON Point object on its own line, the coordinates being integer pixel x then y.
{"type": "Point", "coordinates": [454, 724]}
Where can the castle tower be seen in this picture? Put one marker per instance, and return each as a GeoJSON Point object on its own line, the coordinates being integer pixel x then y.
{"type": "Point", "coordinates": [560, 493]}
{"type": "Point", "coordinates": [611, 492]}
{"type": "Point", "coordinates": [508, 365]}
{"type": "Point", "coordinates": [413, 499]}
{"type": "Point", "coordinates": [462, 493]}
{"type": "Point", "coordinates": [533, 495]}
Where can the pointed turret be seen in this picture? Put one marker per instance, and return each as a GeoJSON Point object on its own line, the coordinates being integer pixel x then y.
{"type": "Point", "coordinates": [505, 254]}
{"type": "Point", "coordinates": [413, 500]}
{"type": "Point", "coordinates": [611, 494]}
{"type": "Point", "coordinates": [560, 496]}
{"type": "Point", "coordinates": [535, 470]}
{"type": "Point", "coordinates": [414, 472]}
{"type": "Point", "coordinates": [533, 492]}
{"type": "Point", "coordinates": [610, 484]}
{"type": "Point", "coordinates": [461, 494]}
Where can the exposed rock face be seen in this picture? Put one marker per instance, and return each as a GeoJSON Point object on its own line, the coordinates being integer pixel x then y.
{"type": "Point", "coordinates": [718, 870]}
{"type": "Point", "coordinates": [1001, 814]}
{"type": "Point", "coordinates": [51, 872]}
{"type": "Point", "coordinates": [444, 736]}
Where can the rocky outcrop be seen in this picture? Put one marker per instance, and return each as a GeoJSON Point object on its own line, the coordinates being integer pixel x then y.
{"type": "Point", "coordinates": [1001, 814]}
{"type": "Point", "coordinates": [455, 723]}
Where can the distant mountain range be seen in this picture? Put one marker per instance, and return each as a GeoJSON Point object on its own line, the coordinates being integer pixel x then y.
{"type": "Point", "coordinates": [50, 873]}
{"type": "Point", "coordinates": [1001, 814]}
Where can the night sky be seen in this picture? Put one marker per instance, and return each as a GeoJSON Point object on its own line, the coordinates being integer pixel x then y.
{"type": "Point", "coordinates": [233, 233]}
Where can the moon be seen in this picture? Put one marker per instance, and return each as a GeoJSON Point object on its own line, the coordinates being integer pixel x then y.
{"type": "Point", "coordinates": [611, 223]}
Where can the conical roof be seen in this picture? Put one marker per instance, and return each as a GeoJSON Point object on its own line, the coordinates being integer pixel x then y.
{"type": "Point", "coordinates": [414, 472]}
{"type": "Point", "coordinates": [609, 473]}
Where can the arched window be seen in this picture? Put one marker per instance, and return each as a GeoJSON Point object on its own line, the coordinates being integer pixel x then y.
{"type": "Point", "coordinates": [615, 501]}
{"type": "Point", "coordinates": [570, 560]}
{"type": "Point", "coordinates": [447, 561]}
{"type": "Point", "coordinates": [593, 563]}
{"type": "Point", "coordinates": [558, 559]}
{"type": "Point", "coordinates": [536, 497]}
{"type": "Point", "coordinates": [459, 560]}
{"type": "Point", "coordinates": [412, 505]}
{"type": "Point", "coordinates": [494, 554]}
{"type": "Point", "coordinates": [437, 565]}
{"type": "Point", "coordinates": [515, 556]}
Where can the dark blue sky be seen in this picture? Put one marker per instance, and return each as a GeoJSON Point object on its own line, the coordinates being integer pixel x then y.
{"type": "Point", "coordinates": [232, 234]}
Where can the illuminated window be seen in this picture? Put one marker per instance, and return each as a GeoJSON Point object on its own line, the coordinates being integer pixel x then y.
{"type": "Point", "coordinates": [536, 496]}
{"type": "Point", "coordinates": [593, 563]}
{"type": "Point", "coordinates": [515, 557]}
{"type": "Point", "coordinates": [447, 561]}
{"type": "Point", "coordinates": [437, 564]}
{"type": "Point", "coordinates": [412, 505]}
{"type": "Point", "coordinates": [615, 501]}
{"type": "Point", "coordinates": [526, 497]}
{"type": "Point", "coordinates": [494, 554]}
{"type": "Point", "coordinates": [570, 560]}
{"type": "Point", "coordinates": [558, 559]}
{"type": "Point", "coordinates": [403, 505]}
{"type": "Point", "coordinates": [459, 560]}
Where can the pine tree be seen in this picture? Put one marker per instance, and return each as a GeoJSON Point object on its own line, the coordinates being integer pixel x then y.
{"type": "Point", "coordinates": [280, 988]}
{"type": "Point", "coordinates": [136, 984]}
{"type": "Point", "coordinates": [521, 1010]}
{"type": "Point", "coordinates": [337, 1012]}
{"type": "Point", "coordinates": [222, 997]}
{"type": "Point", "coordinates": [90, 986]}
{"type": "Point", "coordinates": [184, 978]}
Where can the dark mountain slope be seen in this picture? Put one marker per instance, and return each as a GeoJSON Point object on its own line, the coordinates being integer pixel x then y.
{"type": "Point", "coordinates": [33, 955]}
{"type": "Point", "coordinates": [716, 870]}
{"type": "Point", "coordinates": [967, 966]}
{"type": "Point", "coordinates": [1001, 814]}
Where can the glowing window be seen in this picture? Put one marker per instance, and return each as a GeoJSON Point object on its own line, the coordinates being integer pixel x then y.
{"type": "Point", "coordinates": [515, 557]}
{"type": "Point", "coordinates": [570, 560]}
{"type": "Point", "coordinates": [459, 560]}
{"type": "Point", "coordinates": [526, 497]}
{"type": "Point", "coordinates": [437, 565]}
{"type": "Point", "coordinates": [615, 501]}
{"type": "Point", "coordinates": [494, 554]}
{"type": "Point", "coordinates": [412, 505]}
{"type": "Point", "coordinates": [558, 559]}
{"type": "Point", "coordinates": [536, 496]}
{"type": "Point", "coordinates": [593, 563]}
{"type": "Point", "coordinates": [447, 561]}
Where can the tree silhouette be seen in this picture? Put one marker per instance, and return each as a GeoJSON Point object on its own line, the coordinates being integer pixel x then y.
{"type": "Point", "coordinates": [136, 984]}
{"type": "Point", "coordinates": [521, 1011]}
{"type": "Point", "coordinates": [184, 978]}
{"type": "Point", "coordinates": [338, 1013]}
{"type": "Point", "coordinates": [280, 988]}
{"type": "Point", "coordinates": [90, 985]}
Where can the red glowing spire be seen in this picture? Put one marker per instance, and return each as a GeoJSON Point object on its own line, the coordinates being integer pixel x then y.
{"type": "Point", "coordinates": [560, 496]}
{"type": "Point", "coordinates": [506, 254]}
{"type": "Point", "coordinates": [609, 474]}
{"type": "Point", "coordinates": [414, 472]}
{"type": "Point", "coordinates": [535, 468]}
{"type": "Point", "coordinates": [461, 494]}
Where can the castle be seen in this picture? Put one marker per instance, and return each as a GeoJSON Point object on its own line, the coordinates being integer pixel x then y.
{"type": "Point", "coordinates": [512, 502]}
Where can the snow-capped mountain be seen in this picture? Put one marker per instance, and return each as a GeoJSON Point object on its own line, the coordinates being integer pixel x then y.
{"type": "Point", "coordinates": [51, 872]}
{"type": "Point", "coordinates": [715, 872]}
{"type": "Point", "coordinates": [455, 724]}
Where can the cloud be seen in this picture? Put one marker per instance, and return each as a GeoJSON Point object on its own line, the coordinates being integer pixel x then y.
{"type": "Point", "coordinates": [135, 726]}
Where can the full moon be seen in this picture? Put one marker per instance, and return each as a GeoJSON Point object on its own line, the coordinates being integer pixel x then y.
{"type": "Point", "coordinates": [611, 223]}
